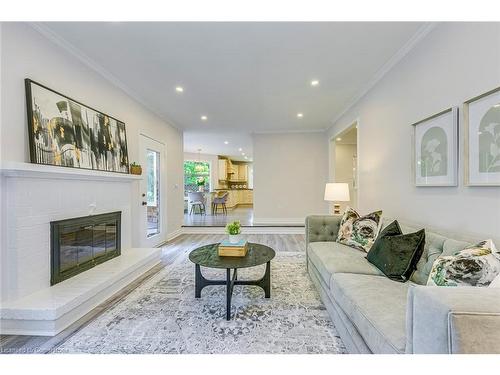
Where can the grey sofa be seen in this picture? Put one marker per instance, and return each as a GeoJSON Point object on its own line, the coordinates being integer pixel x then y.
{"type": "Point", "coordinates": [374, 314]}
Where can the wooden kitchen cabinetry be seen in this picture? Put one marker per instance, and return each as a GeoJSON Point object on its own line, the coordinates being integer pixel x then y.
{"type": "Point", "coordinates": [222, 169]}
{"type": "Point", "coordinates": [238, 197]}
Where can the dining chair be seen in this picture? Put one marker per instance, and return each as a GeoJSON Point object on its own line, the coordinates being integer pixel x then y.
{"type": "Point", "coordinates": [220, 199]}
{"type": "Point", "coordinates": [197, 199]}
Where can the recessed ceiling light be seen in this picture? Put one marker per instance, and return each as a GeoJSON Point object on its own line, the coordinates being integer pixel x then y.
{"type": "Point", "coordinates": [246, 158]}
{"type": "Point", "coordinates": [496, 105]}
{"type": "Point", "coordinates": [204, 118]}
{"type": "Point", "coordinates": [339, 139]}
{"type": "Point", "coordinates": [314, 82]}
{"type": "Point", "coordinates": [226, 142]}
{"type": "Point", "coordinates": [300, 115]}
{"type": "Point", "coordinates": [240, 149]}
{"type": "Point", "coordinates": [179, 89]}
{"type": "Point", "coordinates": [242, 154]}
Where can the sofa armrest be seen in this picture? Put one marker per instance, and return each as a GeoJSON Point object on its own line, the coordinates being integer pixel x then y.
{"type": "Point", "coordinates": [453, 320]}
{"type": "Point", "coordinates": [322, 228]}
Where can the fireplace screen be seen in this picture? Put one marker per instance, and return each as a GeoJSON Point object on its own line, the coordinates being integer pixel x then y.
{"type": "Point", "coordinates": [81, 243]}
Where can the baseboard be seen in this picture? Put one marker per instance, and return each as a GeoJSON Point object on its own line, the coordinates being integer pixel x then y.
{"type": "Point", "coordinates": [279, 221]}
{"type": "Point", "coordinates": [246, 230]}
{"type": "Point", "coordinates": [171, 236]}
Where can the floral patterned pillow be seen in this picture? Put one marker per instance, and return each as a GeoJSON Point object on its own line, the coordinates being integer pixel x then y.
{"type": "Point", "coordinates": [476, 265]}
{"type": "Point", "coordinates": [359, 231]}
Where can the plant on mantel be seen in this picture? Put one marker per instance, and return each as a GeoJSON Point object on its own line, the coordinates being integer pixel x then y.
{"type": "Point", "coordinates": [135, 168]}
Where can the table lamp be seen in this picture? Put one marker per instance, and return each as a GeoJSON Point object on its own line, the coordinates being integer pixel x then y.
{"type": "Point", "coordinates": [337, 192]}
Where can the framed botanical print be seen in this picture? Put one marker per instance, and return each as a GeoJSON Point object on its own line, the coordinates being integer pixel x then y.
{"type": "Point", "coordinates": [67, 133]}
{"type": "Point", "coordinates": [435, 149]}
{"type": "Point", "coordinates": [482, 139]}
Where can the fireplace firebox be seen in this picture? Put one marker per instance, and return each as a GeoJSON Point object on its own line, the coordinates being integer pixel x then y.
{"type": "Point", "coordinates": [79, 244]}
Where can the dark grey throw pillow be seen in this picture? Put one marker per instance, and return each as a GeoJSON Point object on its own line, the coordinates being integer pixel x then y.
{"type": "Point", "coordinates": [396, 254]}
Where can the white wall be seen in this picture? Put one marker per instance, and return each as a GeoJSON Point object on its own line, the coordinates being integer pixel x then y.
{"type": "Point", "coordinates": [453, 63]}
{"type": "Point", "coordinates": [214, 166]}
{"type": "Point", "coordinates": [29, 205]}
{"type": "Point", "coordinates": [28, 54]}
{"type": "Point", "coordinates": [290, 172]}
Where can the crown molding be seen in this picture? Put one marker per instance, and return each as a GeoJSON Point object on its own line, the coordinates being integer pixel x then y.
{"type": "Point", "coordinates": [288, 131]}
{"type": "Point", "coordinates": [82, 57]}
{"type": "Point", "coordinates": [388, 66]}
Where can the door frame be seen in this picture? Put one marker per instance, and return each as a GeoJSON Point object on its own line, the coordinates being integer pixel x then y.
{"type": "Point", "coordinates": [157, 239]}
{"type": "Point", "coordinates": [331, 156]}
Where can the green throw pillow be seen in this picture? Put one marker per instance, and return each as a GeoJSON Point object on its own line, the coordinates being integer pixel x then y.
{"type": "Point", "coordinates": [396, 254]}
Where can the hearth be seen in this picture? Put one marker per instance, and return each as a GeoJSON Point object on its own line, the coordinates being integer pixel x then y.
{"type": "Point", "coordinates": [78, 244]}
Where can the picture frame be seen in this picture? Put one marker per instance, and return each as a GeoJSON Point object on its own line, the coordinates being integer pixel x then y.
{"type": "Point", "coordinates": [482, 139]}
{"type": "Point", "coordinates": [435, 149]}
{"type": "Point", "coordinates": [67, 133]}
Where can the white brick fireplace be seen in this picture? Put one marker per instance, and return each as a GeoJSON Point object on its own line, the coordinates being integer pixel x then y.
{"type": "Point", "coordinates": [35, 195]}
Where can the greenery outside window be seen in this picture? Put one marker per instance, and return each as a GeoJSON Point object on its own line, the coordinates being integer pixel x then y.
{"type": "Point", "coordinates": [196, 174]}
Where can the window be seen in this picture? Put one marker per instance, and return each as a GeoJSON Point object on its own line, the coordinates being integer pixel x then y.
{"type": "Point", "coordinates": [153, 192]}
{"type": "Point", "coordinates": [196, 174]}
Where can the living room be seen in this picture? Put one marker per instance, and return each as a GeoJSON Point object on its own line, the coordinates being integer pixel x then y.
{"type": "Point", "coordinates": [250, 187]}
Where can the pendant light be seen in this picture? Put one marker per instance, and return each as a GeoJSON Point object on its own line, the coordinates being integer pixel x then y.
{"type": "Point", "coordinates": [199, 166]}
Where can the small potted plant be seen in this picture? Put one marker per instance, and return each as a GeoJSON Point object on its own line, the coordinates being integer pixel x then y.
{"type": "Point", "coordinates": [234, 230]}
{"type": "Point", "coordinates": [201, 184]}
{"type": "Point", "coordinates": [135, 168]}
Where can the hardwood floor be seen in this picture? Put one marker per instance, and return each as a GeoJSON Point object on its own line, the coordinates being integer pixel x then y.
{"type": "Point", "coordinates": [173, 251]}
{"type": "Point", "coordinates": [243, 214]}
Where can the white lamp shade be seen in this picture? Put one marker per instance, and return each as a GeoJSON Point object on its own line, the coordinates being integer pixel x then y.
{"type": "Point", "coordinates": [337, 192]}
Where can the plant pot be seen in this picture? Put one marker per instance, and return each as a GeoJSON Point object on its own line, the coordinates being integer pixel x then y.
{"type": "Point", "coordinates": [201, 189]}
{"type": "Point", "coordinates": [136, 169]}
{"type": "Point", "coordinates": [234, 238]}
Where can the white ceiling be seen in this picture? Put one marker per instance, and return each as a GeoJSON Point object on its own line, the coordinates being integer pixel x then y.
{"type": "Point", "coordinates": [246, 77]}
{"type": "Point", "coordinates": [213, 143]}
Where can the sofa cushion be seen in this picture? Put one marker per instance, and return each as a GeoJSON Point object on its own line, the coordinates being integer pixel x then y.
{"type": "Point", "coordinates": [359, 231]}
{"type": "Point", "coordinates": [396, 254]}
{"type": "Point", "coordinates": [332, 257]}
{"type": "Point", "coordinates": [476, 265]}
{"type": "Point", "coordinates": [376, 306]}
{"type": "Point", "coordinates": [432, 249]}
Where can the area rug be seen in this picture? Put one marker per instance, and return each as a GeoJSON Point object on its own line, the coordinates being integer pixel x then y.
{"type": "Point", "coordinates": [162, 316]}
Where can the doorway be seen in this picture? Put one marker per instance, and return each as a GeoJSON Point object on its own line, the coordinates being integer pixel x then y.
{"type": "Point", "coordinates": [153, 218]}
{"type": "Point", "coordinates": [344, 162]}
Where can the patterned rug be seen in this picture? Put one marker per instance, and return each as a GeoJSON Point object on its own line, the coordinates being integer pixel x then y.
{"type": "Point", "coordinates": [162, 316]}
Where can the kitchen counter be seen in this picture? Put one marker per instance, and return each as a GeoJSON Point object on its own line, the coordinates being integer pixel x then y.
{"type": "Point", "coordinates": [238, 196]}
{"type": "Point", "coordinates": [233, 189]}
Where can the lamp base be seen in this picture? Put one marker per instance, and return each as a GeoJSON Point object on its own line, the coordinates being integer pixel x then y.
{"type": "Point", "coordinates": [336, 209]}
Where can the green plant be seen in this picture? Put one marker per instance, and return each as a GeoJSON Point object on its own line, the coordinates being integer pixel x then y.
{"type": "Point", "coordinates": [233, 228]}
{"type": "Point", "coordinates": [134, 164]}
{"type": "Point", "coordinates": [200, 181]}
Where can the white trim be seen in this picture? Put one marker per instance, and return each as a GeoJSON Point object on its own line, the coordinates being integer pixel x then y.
{"type": "Point", "coordinates": [245, 230]}
{"type": "Point", "coordinates": [391, 63]}
{"type": "Point", "coordinates": [86, 60]}
{"type": "Point", "coordinates": [278, 221]}
{"type": "Point", "coordinates": [172, 236]}
{"type": "Point", "coordinates": [285, 131]}
{"type": "Point", "coordinates": [32, 170]}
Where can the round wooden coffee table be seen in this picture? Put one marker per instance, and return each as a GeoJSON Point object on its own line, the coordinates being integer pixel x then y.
{"type": "Point", "coordinates": [207, 256]}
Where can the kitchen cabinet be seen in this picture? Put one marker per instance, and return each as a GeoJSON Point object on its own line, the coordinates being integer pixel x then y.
{"type": "Point", "coordinates": [242, 172]}
{"type": "Point", "coordinates": [222, 169]}
{"type": "Point", "coordinates": [237, 197]}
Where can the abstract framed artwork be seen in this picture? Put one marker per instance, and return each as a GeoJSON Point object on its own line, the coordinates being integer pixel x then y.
{"type": "Point", "coordinates": [482, 139]}
{"type": "Point", "coordinates": [435, 149]}
{"type": "Point", "coordinates": [67, 133]}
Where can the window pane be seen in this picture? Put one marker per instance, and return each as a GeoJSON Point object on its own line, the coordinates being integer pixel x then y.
{"type": "Point", "coordinates": [153, 192]}
{"type": "Point", "coordinates": [196, 174]}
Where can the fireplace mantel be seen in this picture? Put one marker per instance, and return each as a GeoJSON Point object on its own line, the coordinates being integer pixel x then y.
{"type": "Point", "coordinates": [18, 169]}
